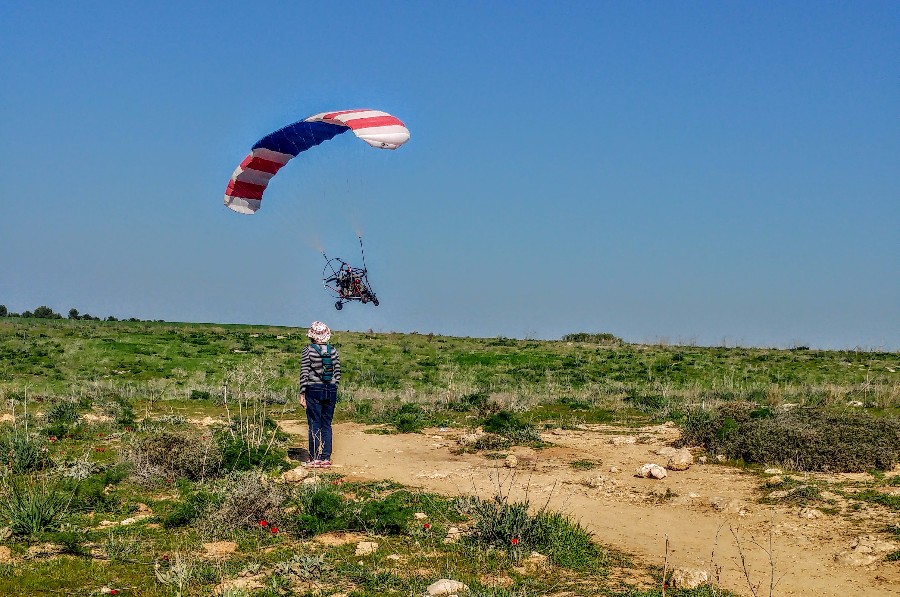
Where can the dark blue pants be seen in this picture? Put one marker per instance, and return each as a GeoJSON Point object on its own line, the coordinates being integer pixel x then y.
{"type": "Point", "coordinates": [320, 401]}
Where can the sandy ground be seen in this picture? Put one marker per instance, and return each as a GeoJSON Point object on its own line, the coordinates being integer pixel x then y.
{"type": "Point", "coordinates": [824, 555]}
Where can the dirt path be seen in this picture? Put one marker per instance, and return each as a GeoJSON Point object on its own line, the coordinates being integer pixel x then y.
{"type": "Point", "coordinates": [631, 513]}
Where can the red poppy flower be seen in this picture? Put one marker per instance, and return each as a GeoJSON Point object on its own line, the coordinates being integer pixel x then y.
{"type": "Point", "coordinates": [263, 523]}
{"type": "Point", "coordinates": [426, 526]}
{"type": "Point", "coordinates": [113, 591]}
{"type": "Point", "coordinates": [274, 529]}
{"type": "Point", "coordinates": [514, 541]}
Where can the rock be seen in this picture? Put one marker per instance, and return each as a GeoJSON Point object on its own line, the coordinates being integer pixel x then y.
{"type": "Point", "coordinates": [7, 418]}
{"type": "Point", "coordinates": [615, 469]}
{"type": "Point", "coordinates": [536, 562]}
{"type": "Point", "coordinates": [723, 504]}
{"type": "Point", "coordinates": [774, 480]}
{"type": "Point", "coordinates": [420, 516]}
{"type": "Point", "coordinates": [5, 555]}
{"type": "Point", "coordinates": [686, 578]}
{"type": "Point", "coordinates": [470, 438]}
{"type": "Point", "coordinates": [602, 482]}
{"type": "Point", "coordinates": [652, 471]}
{"type": "Point", "coordinates": [810, 513]}
{"type": "Point", "coordinates": [681, 460]}
{"type": "Point", "coordinates": [364, 548]}
{"type": "Point", "coordinates": [865, 550]}
{"type": "Point", "coordinates": [703, 459]}
{"type": "Point", "coordinates": [453, 535]}
{"type": "Point", "coordinates": [666, 451]}
{"type": "Point", "coordinates": [777, 495]}
{"type": "Point", "coordinates": [220, 549]}
{"type": "Point", "coordinates": [511, 461]}
{"type": "Point", "coordinates": [295, 475]}
{"type": "Point", "coordinates": [314, 480]}
{"type": "Point", "coordinates": [623, 440]}
{"type": "Point", "coordinates": [773, 471]}
{"type": "Point", "coordinates": [445, 587]}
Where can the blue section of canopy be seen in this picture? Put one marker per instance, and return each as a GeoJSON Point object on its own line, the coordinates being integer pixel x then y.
{"type": "Point", "coordinates": [299, 136]}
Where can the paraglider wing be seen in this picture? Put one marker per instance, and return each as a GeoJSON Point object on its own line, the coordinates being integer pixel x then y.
{"type": "Point", "coordinates": [249, 180]}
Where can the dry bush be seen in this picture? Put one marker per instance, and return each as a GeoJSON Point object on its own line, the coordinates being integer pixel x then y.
{"type": "Point", "coordinates": [247, 497]}
{"type": "Point", "coordinates": [171, 455]}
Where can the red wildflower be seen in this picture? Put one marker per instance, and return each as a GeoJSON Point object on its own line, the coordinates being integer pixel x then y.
{"type": "Point", "coordinates": [514, 541]}
{"type": "Point", "coordinates": [263, 523]}
{"type": "Point", "coordinates": [114, 591]}
{"type": "Point", "coordinates": [52, 438]}
{"type": "Point", "coordinates": [165, 557]}
{"type": "Point", "coordinates": [274, 529]}
{"type": "Point", "coordinates": [426, 526]}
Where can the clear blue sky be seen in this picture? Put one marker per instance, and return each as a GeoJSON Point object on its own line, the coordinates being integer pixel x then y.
{"type": "Point", "coordinates": [701, 172]}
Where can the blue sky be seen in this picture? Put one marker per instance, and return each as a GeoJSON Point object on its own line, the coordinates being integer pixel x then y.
{"type": "Point", "coordinates": [700, 172]}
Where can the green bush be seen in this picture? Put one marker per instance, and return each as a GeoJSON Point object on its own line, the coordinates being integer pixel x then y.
{"type": "Point", "coordinates": [322, 509]}
{"type": "Point", "coordinates": [506, 425]}
{"type": "Point", "coordinates": [801, 439]}
{"type": "Point", "coordinates": [389, 515]}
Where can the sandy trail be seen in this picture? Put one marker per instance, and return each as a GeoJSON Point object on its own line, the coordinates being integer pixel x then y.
{"type": "Point", "coordinates": [629, 513]}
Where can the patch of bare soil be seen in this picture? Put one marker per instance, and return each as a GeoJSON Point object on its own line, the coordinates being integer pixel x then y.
{"type": "Point", "coordinates": [696, 508]}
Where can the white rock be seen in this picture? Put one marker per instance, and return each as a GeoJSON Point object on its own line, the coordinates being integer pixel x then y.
{"type": "Point", "coordinates": [865, 550]}
{"type": "Point", "coordinates": [681, 460]}
{"type": "Point", "coordinates": [686, 578]}
{"type": "Point", "coordinates": [445, 587]}
{"type": "Point", "coordinates": [666, 451]}
{"type": "Point", "coordinates": [511, 461]}
{"type": "Point", "coordinates": [623, 440]}
{"type": "Point", "coordinates": [364, 548]}
{"type": "Point", "coordinates": [773, 471]}
{"type": "Point", "coordinates": [453, 535]}
{"type": "Point", "coordinates": [652, 471]}
{"type": "Point", "coordinates": [615, 469]}
{"type": "Point", "coordinates": [420, 516]}
{"type": "Point", "coordinates": [810, 513]}
{"type": "Point", "coordinates": [294, 475]}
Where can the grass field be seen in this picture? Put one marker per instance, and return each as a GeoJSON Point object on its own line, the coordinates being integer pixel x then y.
{"type": "Point", "coordinates": [98, 433]}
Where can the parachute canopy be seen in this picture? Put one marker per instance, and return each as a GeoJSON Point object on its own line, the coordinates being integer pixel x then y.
{"type": "Point", "coordinates": [272, 152]}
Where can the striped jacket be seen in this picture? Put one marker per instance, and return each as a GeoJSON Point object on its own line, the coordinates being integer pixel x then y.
{"type": "Point", "coordinates": [312, 369]}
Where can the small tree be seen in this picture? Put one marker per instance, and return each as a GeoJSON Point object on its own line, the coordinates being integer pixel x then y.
{"type": "Point", "coordinates": [45, 312]}
{"type": "Point", "coordinates": [27, 314]}
{"type": "Point", "coordinates": [3, 311]}
{"type": "Point", "coordinates": [73, 313]}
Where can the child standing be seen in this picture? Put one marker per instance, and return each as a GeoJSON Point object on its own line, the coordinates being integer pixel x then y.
{"type": "Point", "coordinates": [320, 372]}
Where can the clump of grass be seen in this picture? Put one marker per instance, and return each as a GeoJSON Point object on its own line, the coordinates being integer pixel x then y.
{"type": "Point", "coordinates": [582, 465]}
{"type": "Point", "coordinates": [801, 439]}
{"type": "Point", "coordinates": [501, 524]}
{"type": "Point", "coordinates": [33, 506]}
{"type": "Point", "coordinates": [23, 452]}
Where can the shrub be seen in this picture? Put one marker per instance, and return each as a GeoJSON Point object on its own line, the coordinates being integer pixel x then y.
{"type": "Point", "coordinates": [239, 455]}
{"type": "Point", "coordinates": [604, 338]}
{"type": "Point", "coordinates": [170, 455]}
{"type": "Point", "coordinates": [409, 418]}
{"type": "Point", "coordinates": [389, 515]}
{"type": "Point", "coordinates": [801, 439]}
